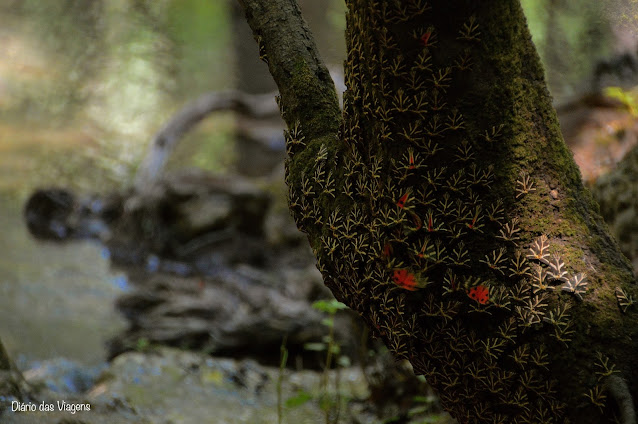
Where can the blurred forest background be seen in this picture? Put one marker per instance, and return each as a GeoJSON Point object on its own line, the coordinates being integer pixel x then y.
{"type": "Point", "coordinates": [85, 84]}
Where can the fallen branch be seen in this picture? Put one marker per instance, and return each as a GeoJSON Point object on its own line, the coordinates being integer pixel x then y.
{"type": "Point", "coordinates": [258, 106]}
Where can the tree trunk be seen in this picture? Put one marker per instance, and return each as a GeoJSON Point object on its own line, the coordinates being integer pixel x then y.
{"type": "Point", "coordinates": [449, 212]}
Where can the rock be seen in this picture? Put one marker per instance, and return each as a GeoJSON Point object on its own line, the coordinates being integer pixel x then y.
{"type": "Point", "coordinates": [246, 205]}
{"type": "Point", "coordinates": [56, 214]}
{"type": "Point", "coordinates": [61, 375]}
{"type": "Point", "coordinates": [47, 213]}
{"type": "Point", "coordinates": [186, 387]}
{"type": "Point", "coordinates": [192, 386]}
{"type": "Point", "coordinates": [170, 386]}
{"type": "Point", "coordinates": [234, 313]}
{"type": "Point", "coordinates": [200, 214]}
{"type": "Point", "coordinates": [188, 212]}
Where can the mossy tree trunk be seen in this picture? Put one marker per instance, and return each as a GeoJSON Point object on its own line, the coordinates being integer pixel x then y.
{"type": "Point", "coordinates": [444, 207]}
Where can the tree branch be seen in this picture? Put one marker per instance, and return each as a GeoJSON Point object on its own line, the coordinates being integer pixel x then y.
{"type": "Point", "coordinates": [257, 106]}
{"type": "Point", "coordinates": [308, 96]}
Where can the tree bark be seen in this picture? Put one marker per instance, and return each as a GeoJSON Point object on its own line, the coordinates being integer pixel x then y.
{"type": "Point", "coordinates": [449, 212]}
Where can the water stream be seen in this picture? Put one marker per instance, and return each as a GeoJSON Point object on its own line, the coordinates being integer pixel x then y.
{"type": "Point", "coordinates": [56, 300]}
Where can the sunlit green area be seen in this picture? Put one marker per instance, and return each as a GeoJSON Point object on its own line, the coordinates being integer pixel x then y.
{"type": "Point", "coordinates": [570, 36]}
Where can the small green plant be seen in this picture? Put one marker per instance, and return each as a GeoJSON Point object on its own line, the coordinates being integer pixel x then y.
{"type": "Point", "coordinates": [332, 349]}
{"type": "Point", "coordinates": [282, 365]}
{"type": "Point", "coordinates": [299, 399]}
{"type": "Point", "coordinates": [331, 406]}
{"type": "Point", "coordinates": [142, 344]}
{"type": "Point", "coordinates": [328, 344]}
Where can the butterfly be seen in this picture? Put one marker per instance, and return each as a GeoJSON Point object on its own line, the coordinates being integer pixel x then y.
{"type": "Point", "coordinates": [425, 38]}
{"type": "Point", "coordinates": [403, 200]}
{"type": "Point", "coordinates": [404, 279]}
{"type": "Point", "coordinates": [387, 250]}
{"type": "Point", "coordinates": [479, 293]}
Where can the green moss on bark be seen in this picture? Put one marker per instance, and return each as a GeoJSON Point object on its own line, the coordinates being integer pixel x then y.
{"type": "Point", "coordinates": [436, 213]}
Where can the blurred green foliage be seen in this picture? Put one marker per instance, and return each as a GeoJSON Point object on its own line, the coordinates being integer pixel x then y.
{"type": "Point", "coordinates": [628, 98]}
{"type": "Point", "coordinates": [202, 32]}
{"type": "Point", "coordinates": [109, 73]}
{"type": "Point", "coordinates": [113, 71]}
{"type": "Point", "coordinates": [571, 36]}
